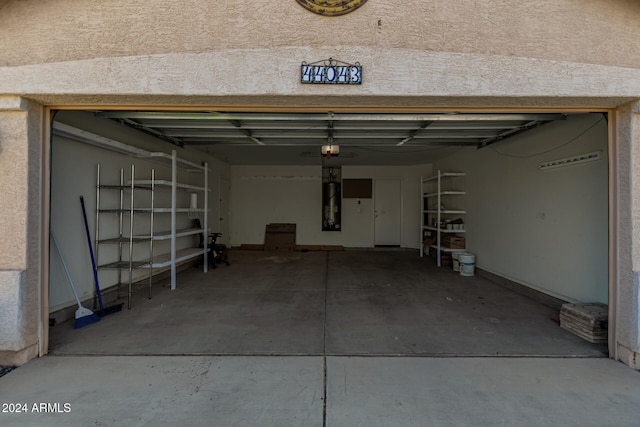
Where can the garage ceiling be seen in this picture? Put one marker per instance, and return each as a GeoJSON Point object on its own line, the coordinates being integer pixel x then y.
{"type": "Point", "coordinates": [297, 138]}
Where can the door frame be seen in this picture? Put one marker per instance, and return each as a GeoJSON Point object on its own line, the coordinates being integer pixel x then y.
{"type": "Point", "coordinates": [613, 184]}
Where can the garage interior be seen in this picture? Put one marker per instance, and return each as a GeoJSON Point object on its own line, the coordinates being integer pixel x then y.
{"type": "Point", "coordinates": [355, 283]}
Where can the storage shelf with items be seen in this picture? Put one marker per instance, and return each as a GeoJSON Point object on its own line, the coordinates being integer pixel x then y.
{"type": "Point", "coordinates": [136, 215]}
{"type": "Point", "coordinates": [125, 214]}
{"type": "Point", "coordinates": [182, 211]}
{"type": "Point", "coordinates": [440, 223]}
{"type": "Point", "coordinates": [158, 230]}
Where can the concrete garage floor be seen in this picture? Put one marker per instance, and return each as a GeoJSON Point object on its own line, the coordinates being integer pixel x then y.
{"type": "Point", "coordinates": [324, 339]}
{"type": "Point", "coordinates": [333, 303]}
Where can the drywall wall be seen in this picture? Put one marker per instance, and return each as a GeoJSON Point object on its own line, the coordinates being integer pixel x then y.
{"type": "Point", "coordinates": [409, 177]}
{"type": "Point", "coordinates": [73, 173]}
{"type": "Point", "coordinates": [547, 229]}
{"type": "Point", "coordinates": [278, 194]}
{"type": "Point", "coordinates": [293, 194]}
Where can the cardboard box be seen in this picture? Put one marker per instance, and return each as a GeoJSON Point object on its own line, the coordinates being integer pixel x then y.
{"type": "Point", "coordinates": [280, 237]}
{"type": "Point", "coordinates": [453, 242]}
{"type": "Point", "coordinates": [281, 228]}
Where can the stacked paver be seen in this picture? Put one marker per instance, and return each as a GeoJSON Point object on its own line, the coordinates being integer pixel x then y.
{"type": "Point", "coordinates": [589, 321]}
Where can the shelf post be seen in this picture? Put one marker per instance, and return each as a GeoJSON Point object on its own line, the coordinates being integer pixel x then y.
{"type": "Point", "coordinates": [97, 234]}
{"type": "Point", "coordinates": [120, 230]}
{"type": "Point", "coordinates": [130, 295]}
{"type": "Point", "coordinates": [174, 180]}
{"type": "Point", "coordinates": [422, 213]}
{"type": "Point", "coordinates": [151, 227]}
{"type": "Point", "coordinates": [206, 215]}
{"type": "Point", "coordinates": [439, 219]}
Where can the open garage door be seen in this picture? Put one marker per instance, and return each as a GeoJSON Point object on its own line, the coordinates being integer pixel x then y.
{"type": "Point", "coordinates": [241, 137]}
{"type": "Point", "coordinates": [535, 203]}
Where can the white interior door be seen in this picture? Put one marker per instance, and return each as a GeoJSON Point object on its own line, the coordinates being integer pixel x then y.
{"type": "Point", "coordinates": [387, 212]}
{"type": "Point", "coordinates": [223, 211]}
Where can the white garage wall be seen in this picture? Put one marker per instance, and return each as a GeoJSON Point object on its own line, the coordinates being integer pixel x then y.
{"type": "Point", "coordinates": [410, 182]}
{"type": "Point", "coordinates": [278, 194]}
{"type": "Point", "coordinates": [545, 229]}
{"type": "Point", "coordinates": [73, 166]}
{"type": "Point", "coordinates": [293, 194]}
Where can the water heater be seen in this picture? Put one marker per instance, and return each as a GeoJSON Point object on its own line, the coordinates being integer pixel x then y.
{"type": "Point", "coordinates": [331, 198]}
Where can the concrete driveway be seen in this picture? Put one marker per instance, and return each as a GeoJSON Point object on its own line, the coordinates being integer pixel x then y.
{"type": "Point", "coordinates": [294, 391]}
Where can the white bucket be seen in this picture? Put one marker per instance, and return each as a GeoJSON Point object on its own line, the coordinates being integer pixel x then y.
{"type": "Point", "coordinates": [467, 264]}
{"type": "Point", "coordinates": [456, 261]}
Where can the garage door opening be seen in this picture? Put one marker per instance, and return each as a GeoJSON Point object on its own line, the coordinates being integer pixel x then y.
{"type": "Point", "coordinates": [532, 208]}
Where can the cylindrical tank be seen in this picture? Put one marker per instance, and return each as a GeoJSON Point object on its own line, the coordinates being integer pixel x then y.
{"type": "Point", "coordinates": [331, 202]}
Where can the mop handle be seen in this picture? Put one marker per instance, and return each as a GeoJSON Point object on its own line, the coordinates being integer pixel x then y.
{"type": "Point", "coordinates": [93, 261]}
{"type": "Point", "coordinates": [64, 264]}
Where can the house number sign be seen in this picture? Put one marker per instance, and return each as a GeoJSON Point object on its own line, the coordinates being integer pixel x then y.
{"type": "Point", "coordinates": [331, 71]}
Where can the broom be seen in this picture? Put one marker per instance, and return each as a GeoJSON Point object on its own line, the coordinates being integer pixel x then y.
{"type": "Point", "coordinates": [84, 316]}
{"type": "Point", "coordinates": [103, 311]}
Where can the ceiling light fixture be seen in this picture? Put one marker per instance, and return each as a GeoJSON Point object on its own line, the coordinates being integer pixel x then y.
{"type": "Point", "coordinates": [330, 150]}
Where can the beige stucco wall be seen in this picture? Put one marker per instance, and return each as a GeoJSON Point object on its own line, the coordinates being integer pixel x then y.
{"type": "Point", "coordinates": [627, 293]}
{"type": "Point", "coordinates": [242, 54]}
{"type": "Point", "coordinates": [415, 53]}
{"type": "Point", "coordinates": [270, 78]}
{"type": "Point", "coordinates": [20, 221]}
{"type": "Point", "coordinates": [589, 31]}
{"type": "Point", "coordinates": [13, 185]}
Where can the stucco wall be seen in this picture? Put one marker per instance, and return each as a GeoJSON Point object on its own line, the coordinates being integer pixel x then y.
{"type": "Point", "coordinates": [627, 293]}
{"type": "Point", "coordinates": [13, 186]}
{"type": "Point", "coordinates": [65, 30]}
{"type": "Point", "coordinates": [20, 221]}
{"type": "Point", "coordinates": [422, 54]}
{"type": "Point", "coordinates": [416, 54]}
{"type": "Point", "coordinates": [270, 78]}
